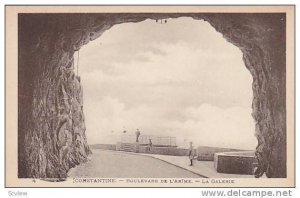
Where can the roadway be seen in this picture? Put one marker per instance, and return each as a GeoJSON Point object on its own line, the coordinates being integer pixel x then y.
{"type": "Point", "coordinates": [112, 164]}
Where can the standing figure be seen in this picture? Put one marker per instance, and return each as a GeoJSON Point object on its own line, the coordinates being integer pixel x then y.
{"type": "Point", "coordinates": [191, 153]}
{"type": "Point", "coordinates": [149, 147]}
{"type": "Point", "coordinates": [137, 133]}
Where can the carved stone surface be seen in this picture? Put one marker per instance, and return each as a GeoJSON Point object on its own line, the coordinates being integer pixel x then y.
{"type": "Point", "coordinates": [51, 136]}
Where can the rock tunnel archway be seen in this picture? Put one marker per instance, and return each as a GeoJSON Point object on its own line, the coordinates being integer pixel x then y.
{"type": "Point", "coordinates": [51, 136]}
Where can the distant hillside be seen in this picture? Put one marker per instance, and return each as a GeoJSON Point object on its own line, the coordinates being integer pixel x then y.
{"type": "Point", "coordinates": [204, 153]}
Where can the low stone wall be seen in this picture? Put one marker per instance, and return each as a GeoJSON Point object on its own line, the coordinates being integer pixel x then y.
{"type": "Point", "coordinates": [164, 151]}
{"type": "Point", "coordinates": [128, 147]}
{"type": "Point", "coordinates": [235, 162]}
{"type": "Point", "coordinates": [104, 146]}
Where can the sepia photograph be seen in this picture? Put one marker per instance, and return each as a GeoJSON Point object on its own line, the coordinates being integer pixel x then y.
{"type": "Point", "coordinates": [149, 96]}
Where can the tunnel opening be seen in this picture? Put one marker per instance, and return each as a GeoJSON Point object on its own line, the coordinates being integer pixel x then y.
{"type": "Point", "coordinates": [48, 86]}
{"type": "Point", "coordinates": [166, 82]}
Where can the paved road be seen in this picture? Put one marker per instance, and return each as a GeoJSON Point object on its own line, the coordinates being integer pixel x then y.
{"type": "Point", "coordinates": [119, 165]}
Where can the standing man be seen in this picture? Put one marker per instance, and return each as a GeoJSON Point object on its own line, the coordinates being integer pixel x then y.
{"type": "Point", "coordinates": [149, 145]}
{"type": "Point", "coordinates": [137, 133]}
{"type": "Point", "coordinates": [191, 153]}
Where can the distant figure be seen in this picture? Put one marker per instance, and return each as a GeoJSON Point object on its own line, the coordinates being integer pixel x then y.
{"type": "Point", "coordinates": [191, 153]}
{"type": "Point", "coordinates": [137, 133]}
{"type": "Point", "coordinates": [149, 147]}
{"type": "Point", "coordinates": [124, 130]}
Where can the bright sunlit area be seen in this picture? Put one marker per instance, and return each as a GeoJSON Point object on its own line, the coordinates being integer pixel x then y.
{"type": "Point", "coordinates": [177, 78]}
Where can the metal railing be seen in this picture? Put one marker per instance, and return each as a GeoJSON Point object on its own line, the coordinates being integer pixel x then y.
{"type": "Point", "coordinates": [144, 139]}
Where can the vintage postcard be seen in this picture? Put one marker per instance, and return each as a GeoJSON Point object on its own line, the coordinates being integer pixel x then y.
{"type": "Point", "coordinates": [149, 96]}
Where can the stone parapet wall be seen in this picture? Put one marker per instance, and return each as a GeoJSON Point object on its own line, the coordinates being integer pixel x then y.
{"type": "Point", "coordinates": [235, 162]}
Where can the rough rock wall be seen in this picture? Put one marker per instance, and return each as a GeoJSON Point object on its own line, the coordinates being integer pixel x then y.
{"type": "Point", "coordinates": [51, 123]}
{"type": "Point", "coordinates": [261, 38]}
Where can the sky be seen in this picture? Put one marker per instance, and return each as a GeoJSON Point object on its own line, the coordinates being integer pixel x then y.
{"type": "Point", "coordinates": [180, 79]}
